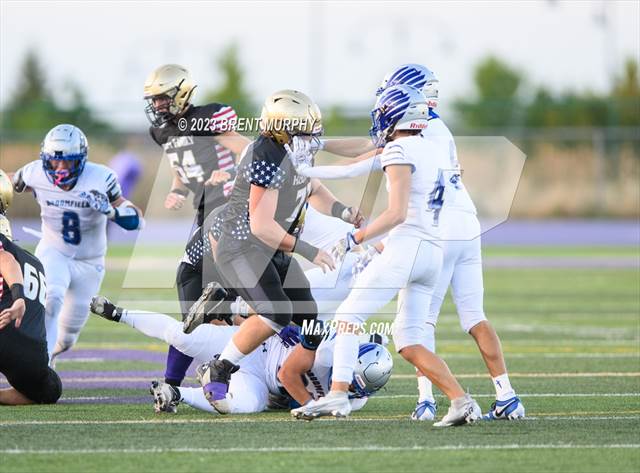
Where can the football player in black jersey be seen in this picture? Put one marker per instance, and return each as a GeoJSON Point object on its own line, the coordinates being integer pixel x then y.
{"type": "Point", "coordinates": [259, 230]}
{"type": "Point", "coordinates": [201, 146]}
{"type": "Point", "coordinates": [23, 344]}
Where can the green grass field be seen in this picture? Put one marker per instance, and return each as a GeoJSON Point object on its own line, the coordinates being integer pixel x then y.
{"type": "Point", "coordinates": [571, 338]}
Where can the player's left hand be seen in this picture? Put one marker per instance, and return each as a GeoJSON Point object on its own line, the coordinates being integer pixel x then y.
{"type": "Point", "coordinates": [352, 215]}
{"type": "Point", "coordinates": [299, 152]}
{"type": "Point", "coordinates": [97, 201]}
{"type": "Point", "coordinates": [15, 312]}
{"type": "Point", "coordinates": [217, 177]}
{"type": "Point", "coordinates": [290, 335]}
{"type": "Point", "coordinates": [363, 261]}
{"type": "Point", "coordinates": [343, 246]}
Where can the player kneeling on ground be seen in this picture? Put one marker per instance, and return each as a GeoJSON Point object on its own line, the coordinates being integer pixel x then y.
{"type": "Point", "coordinates": [23, 346]}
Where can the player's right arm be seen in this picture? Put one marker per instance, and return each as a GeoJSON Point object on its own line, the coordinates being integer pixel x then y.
{"type": "Point", "coordinates": [177, 195]}
{"type": "Point", "coordinates": [17, 178]}
{"type": "Point", "coordinates": [263, 203]}
{"type": "Point", "coordinates": [12, 275]}
{"type": "Point", "coordinates": [293, 369]}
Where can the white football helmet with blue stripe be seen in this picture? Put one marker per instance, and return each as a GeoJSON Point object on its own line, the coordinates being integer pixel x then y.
{"type": "Point", "coordinates": [67, 143]}
{"type": "Point", "coordinates": [399, 107]}
{"type": "Point", "coordinates": [372, 371]}
{"type": "Point", "coordinates": [414, 75]}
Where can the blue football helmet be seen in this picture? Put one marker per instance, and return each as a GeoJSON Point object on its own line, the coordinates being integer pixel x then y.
{"type": "Point", "coordinates": [414, 75]}
{"type": "Point", "coordinates": [399, 107]}
{"type": "Point", "coordinates": [67, 143]}
{"type": "Point", "coordinates": [372, 371]}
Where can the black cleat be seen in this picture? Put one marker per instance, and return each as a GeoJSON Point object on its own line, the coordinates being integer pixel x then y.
{"type": "Point", "coordinates": [203, 310]}
{"type": "Point", "coordinates": [214, 378]}
{"type": "Point", "coordinates": [103, 307]}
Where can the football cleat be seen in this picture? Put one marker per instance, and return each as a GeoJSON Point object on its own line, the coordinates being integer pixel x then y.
{"type": "Point", "coordinates": [425, 410]}
{"type": "Point", "coordinates": [333, 404]}
{"type": "Point", "coordinates": [467, 413]}
{"type": "Point", "coordinates": [165, 397]}
{"type": "Point", "coordinates": [201, 312]}
{"type": "Point", "coordinates": [509, 409]}
{"type": "Point", "coordinates": [214, 378]}
{"type": "Point", "coordinates": [106, 309]}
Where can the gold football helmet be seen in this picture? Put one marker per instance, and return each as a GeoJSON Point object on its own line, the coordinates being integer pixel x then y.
{"type": "Point", "coordinates": [5, 227]}
{"type": "Point", "coordinates": [6, 192]}
{"type": "Point", "coordinates": [288, 113]}
{"type": "Point", "coordinates": [173, 82]}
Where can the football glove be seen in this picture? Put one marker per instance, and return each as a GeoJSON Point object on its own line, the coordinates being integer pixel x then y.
{"type": "Point", "coordinates": [299, 153]}
{"type": "Point", "coordinates": [363, 260]}
{"type": "Point", "coordinates": [343, 246]}
{"type": "Point", "coordinates": [290, 335]}
{"type": "Point", "coordinates": [98, 202]}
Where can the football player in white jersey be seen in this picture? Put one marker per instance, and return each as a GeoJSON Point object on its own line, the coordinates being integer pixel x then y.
{"type": "Point", "coordinates": [76, 199]}
{"type": "Point", "coordinates": [462, 263]}
{"type": "Point", "coordinates": [270, 371]}
{"type": "Point", "coordinates": [410, 263]}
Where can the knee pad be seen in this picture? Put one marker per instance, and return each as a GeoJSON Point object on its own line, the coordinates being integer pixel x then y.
{"type": "Point", "coordinates": [52, 388]}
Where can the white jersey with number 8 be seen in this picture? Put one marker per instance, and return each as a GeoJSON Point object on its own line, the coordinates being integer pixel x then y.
{"type": "Point", "coordinates": [68, 223]}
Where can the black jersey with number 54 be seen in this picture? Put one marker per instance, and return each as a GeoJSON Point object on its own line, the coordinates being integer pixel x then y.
{"type": "Point", "coordinates": [263, 164]}
{"type": "Point", "coordinates": [193, 153]}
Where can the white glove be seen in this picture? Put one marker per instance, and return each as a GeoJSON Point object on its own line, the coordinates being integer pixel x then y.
{"type": "Point", "coordinates": [299, 153]}
{"type": "Point", "coordinates": [98, 202]}
{"type": "Point", "coordinates": [343, 246]}
{"type": "Point", "coordinates": [363, 261]}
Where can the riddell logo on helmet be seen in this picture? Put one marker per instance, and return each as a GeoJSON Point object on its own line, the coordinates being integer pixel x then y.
{"type": "Point", "coordinates": [417, 126]}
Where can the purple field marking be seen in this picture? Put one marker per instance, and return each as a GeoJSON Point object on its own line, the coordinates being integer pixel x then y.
{"type": "Point", "coordinates": [115, 354]}
{"type": "Point", "coordinates": [113, 379]}
{"type": "Point", "coordinates": [561, 232]}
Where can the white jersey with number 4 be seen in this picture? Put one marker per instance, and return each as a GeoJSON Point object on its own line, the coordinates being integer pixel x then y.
{"type": "Point", "coordinates": [428, 157]}
{"type": "Point", "coordinates": [68, 223]}
{"type": "Point", "coordinates": [456, 196]}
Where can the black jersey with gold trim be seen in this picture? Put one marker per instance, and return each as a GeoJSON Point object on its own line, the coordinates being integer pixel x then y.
{"type": "Point", "coordinates": [193, 153]}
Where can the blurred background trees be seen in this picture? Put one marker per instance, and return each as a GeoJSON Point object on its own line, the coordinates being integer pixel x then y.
{"type": "Point", "coordinates": [33, 109]}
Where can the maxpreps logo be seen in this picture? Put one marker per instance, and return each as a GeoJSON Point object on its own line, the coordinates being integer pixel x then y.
{"type": "Point", "coordinates": [74, 204]}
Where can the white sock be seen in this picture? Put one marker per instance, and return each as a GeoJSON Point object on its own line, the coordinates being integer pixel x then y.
{"type": "Point", "coordinates": [152, 324]}
{"type": "Point", "coordinates": [425, 387]}
{"type": "Point", "coordinates": [503, 387]}
{"type": "Point", "coordinates": [232, 353]}
{"type": "Point", "coordinates": [195, 398]}
{"type": "Point", "coordinates": [345, 357]}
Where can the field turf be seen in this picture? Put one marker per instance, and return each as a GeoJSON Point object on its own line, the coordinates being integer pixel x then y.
{"type": "Point", "coordinates": [571, 337]}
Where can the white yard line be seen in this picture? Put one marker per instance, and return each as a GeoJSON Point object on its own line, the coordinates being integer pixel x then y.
{"type": "Point", "coordinates": [414, 396]}
{"type": "Point", "coordinates": [404, 396]}
{"type": "Point", "coordinates": [213, 419]}
{"type": "Point", "coordinates": [363, 448]}
{"type": "Point", "coordinates": [596, 374]}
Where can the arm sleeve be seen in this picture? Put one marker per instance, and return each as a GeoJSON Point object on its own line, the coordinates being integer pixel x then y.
{"type": "Point", "coordinates": [360, 168]}
{"type": "Point", "coordinates": [23, 176]}
{"type": "Point", "coordinates": [112, 187]}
